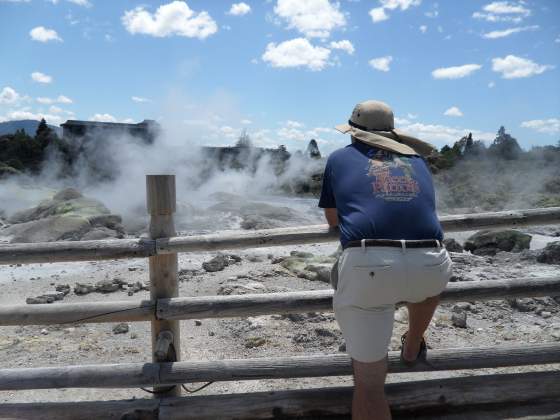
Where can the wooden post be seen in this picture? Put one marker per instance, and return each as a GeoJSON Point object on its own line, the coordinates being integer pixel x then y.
{"type": "Point", "coordinates": [161, 202]}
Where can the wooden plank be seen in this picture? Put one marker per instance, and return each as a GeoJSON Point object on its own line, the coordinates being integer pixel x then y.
{"type": "Point", "coordinates": [134, 409]}
{"type": "Point", "coordinates": [161, 204]}
{"type": "Point", "coordinates": [70, 313]}
{"type": "Point", "coordinates": [436, 395]}
{"type": "Point", "coordinates": [322, 233]}
{"type": "Point", "coordinates": [439, 394]}
{"type": "Point", "coordinates": [249, 305]}
{"type": "Point", "coordinates": [49, 252]}
{"type": "Point", "coordinates": [321, 300]}
{"type": "Point", "coordinates": [150, 374]}
{"type": "Point", "coordinates": [139, 248]}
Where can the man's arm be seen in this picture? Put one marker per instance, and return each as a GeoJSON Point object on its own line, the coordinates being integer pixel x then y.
{"type": "Point", "coordinates": [331, 216]}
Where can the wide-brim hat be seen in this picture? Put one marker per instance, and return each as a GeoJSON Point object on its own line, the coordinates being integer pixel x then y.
{"type": "Point", "coordinates": [373, 123]}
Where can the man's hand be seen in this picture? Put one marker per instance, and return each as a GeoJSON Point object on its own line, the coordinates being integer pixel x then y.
{"type": "Point", "coordinates": [332, 217]}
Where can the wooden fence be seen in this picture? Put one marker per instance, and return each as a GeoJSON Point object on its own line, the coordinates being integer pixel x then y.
{"type": "Point", "coordinates": [165, 309]}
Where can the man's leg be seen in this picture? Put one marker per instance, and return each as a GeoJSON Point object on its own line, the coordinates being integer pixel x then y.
{"type": "Point", "coordinates": [369, 401]}
{"type": "Point", "coordinates": [419, 316]}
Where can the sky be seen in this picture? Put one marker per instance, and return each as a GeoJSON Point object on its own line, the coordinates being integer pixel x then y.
{"type": "Point", "coordinates": [286, 70]}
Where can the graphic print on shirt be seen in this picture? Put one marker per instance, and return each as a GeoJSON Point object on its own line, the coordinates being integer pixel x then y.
{"type": "Point", "coordinates": [393, 176]}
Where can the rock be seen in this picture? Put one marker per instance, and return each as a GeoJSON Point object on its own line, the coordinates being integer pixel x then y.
{"type": "Point", "coordinates": [253, 342]}
{"type": "Point", "coordinates": [219, 262]}
{"type": "Point", "coordinates": [101, 233]}
{"type": "Point", "coordinates": [39, 300]}
{"type": "Point", "coordinates": [138, 286]}
{"type": "Point", "coordinates": [489, 242]}
{"type": "Point", "coordinates": [401, 315]}
{"type": "Point", "coordinates": [83, 288]}
{"type": "Point", "coordinates": [342, 347]}
{"type": "Point", "coordinates": [49, 229]}
{"type": "Point", "coordinates": [107, 286]}
{"type": "Point", "coordinates": [67, 216]}
{"type": "Point", "coordinates": [44, 331]}
{"type": "Point", "coordinates": [522, 304]}
{"type": "Point", "coordinates": [323, 271]}
{"type": "Point", "coordinates": [545, 314]}
{"type": "Point", "coordinates": [459, 319]}
{"type": "Point", "coordinates": [301, 254]}
{"type": "Point", "coordinates": [550, 254]}
{"type": "Point", "coordinates": [323, 332]}
{"type": "Point", "coordinates": [461, 306]}
{"type": "Point", "coordinates": [452, 245]}
{"type": "Point", "coordinates": [197, 322]}
{"type": "Point", "coordinates": [64, 288]}
{"type": "Point", "coordinates": [121, 328]}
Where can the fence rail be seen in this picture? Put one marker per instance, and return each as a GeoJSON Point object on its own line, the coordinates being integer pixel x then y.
{"type": "Point", "coordinates": [141, 248]}
{"type": "Point", "coordinates": [435, 395]}
{"type": "Point", "coordinates": [165, 309]}
{"type": "Point", "coordinates": [182, 308]}
{"type": "Point", "coordinates": [150, 374]}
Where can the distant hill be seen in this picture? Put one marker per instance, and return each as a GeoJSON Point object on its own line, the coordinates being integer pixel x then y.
{"type": "Point", "coordinates": [30, 127]}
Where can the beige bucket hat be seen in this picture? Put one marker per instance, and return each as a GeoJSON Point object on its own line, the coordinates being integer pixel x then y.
{"type": "Point", "coordinates": [373, 123]}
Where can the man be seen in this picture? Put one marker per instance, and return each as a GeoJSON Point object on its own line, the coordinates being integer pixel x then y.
{"type": "Point", "coordinates": [379, 192]}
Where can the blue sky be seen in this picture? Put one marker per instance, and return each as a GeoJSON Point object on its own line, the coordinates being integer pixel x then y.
{"type": "Point", "coordinates": [286, 70]}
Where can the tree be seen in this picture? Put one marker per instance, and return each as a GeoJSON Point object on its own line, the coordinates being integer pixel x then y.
{"type": "Point", "coordinates": [313, 150]}
{"type": "Point", "coordinates": [244, 140]}
{"type": "Point", "coordinates": [505, 146]}
{"type": "Point", "coordinates": [44, 134]}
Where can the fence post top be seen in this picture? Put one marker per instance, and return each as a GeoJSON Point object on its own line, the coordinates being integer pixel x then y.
{"type": "Point", "coordinates": [160, 194]}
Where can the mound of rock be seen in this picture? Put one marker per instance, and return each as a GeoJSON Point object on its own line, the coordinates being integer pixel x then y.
{"type": "Point", "coordinates": [219, 262]}
{"type": "Point", "coordinates": [67, 216]}
{"type": "Point", "coordinates": [308, 266]}
{"type": "Point", "coordinates": [550, 254]}
{"type": "Point", "coordinates": [490, 242]}
{"type": "Point", "coordinates": [255, 215]}
{"type": "Point", "coordinates": [452, 245]}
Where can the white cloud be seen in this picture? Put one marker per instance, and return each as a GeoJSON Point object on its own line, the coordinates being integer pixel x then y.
{"type": "Point", "coordinates": [508, 32]}
{"type": "Point", "coordinates": [175, 18]}
{"type": "Point", "coordinates": [239, 9]}
{"type": "Point", "coordinates": [313, 18]}
{"type": "Point", "coordinates": [381, 63]}
{"type": "Point", "coordinates": [23, 114]}
{"type": "Point", "coordinates": [109, 118]}
{"type": "Point", "coordinates": [513, 67]}
{"type": "Point", "coordinates": [84, 3]}
{"type": "Point", "coordinates": [440, 134]}
{"type": "Point", "coordinates": [246, 122]}
{"type": "Point", "coordinates": [63, 99]}
{"type": "Point", "coordinates": [9, 96]}
{"type": "Point", "coordinates": [503, 11]}
{"type": "Point", "coordinates": [39, 77]}
{"type": "Point", "coordinates": [456, 72]}
{"type": "Point", "coordinates": [42, 34]}
{"type": "Point", "coordinates": [505, 7]}
{"type": "Point", "coordinates": [139, 99]}
{"type": "Point", "coordinates": [298, 52]}
{"type": "Point", "coordinates": [378, 14]}
{"type": "Point", "coordinates": [423, 28]}
{"type": "Point", "coordinates": [491, 85]}
{"type": "Point", "coordinates": [550, 126]}
{"type": "Point", "coordinates": [453, 112]}
{"type": "Point", "coordinates": [103, 118]}
{"type": "Point", "coordinates": [60, 100]}
{"type": "Point", "coordinates": [344, 45]}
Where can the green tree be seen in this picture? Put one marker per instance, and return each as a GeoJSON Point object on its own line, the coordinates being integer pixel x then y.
{"type": "Point", "coordinates": [505, 146]}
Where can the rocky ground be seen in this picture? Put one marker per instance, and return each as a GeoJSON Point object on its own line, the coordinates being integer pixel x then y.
{"type": "Point", "coordinates": [267, 270]}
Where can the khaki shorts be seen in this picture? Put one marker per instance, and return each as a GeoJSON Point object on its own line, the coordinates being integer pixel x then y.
{"type": "Point", "coordinates": [371, 281]}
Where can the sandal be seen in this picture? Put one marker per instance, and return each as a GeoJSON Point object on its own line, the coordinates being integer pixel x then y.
{"type": "Point", "coordinates": [421, 353]}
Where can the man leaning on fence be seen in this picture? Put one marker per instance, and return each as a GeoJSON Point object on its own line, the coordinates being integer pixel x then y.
{"type": "Point", "coordinates": [379, 192]}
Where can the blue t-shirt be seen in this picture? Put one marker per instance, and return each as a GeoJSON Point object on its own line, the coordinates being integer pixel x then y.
{"type": "Point", "coordinates": [380, 195]}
